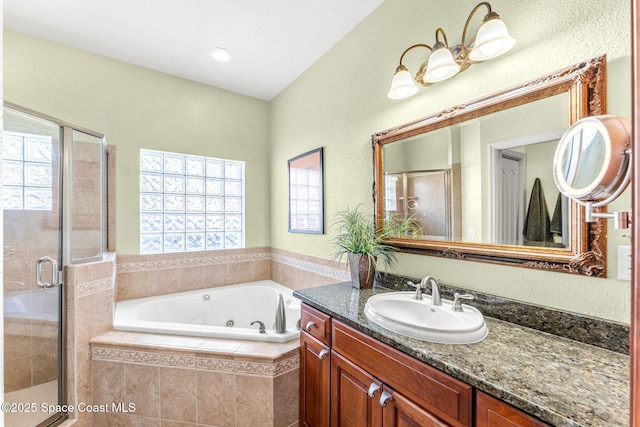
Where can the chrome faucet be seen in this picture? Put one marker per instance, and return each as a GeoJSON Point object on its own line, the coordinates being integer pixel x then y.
{"type": "Point", "coordinates": [261, 326]}
{"type": "Point", "coordinates": [435, 289]}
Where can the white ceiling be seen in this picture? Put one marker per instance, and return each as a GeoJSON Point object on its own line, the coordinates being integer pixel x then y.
{"type": "Point", "coordinates": [272, 41]}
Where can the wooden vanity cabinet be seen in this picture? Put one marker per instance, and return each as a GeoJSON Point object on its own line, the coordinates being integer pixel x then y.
{"type": "Point", "coordinates": [350, 379]}
{"type": "Point", "coordinates": [358, 399]}
{"type": "Point", "coordinates": [491, 412]}
{"type": "Point", "coordinates": [412, 393]}
{"type": "Point", "coordinates": [315, 368]}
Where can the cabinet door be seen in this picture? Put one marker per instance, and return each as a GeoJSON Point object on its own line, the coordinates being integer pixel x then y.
{"type": "Point", "coordinates": [315, 386]}
{"type": "Point", "coordinates": [398, 411]}
{"type": "Point", "coordinates": [355, 396]}
{"type": "Point", "coordinates": [491, 412]}
{"type": "Point", "coordinates": [446, 397]}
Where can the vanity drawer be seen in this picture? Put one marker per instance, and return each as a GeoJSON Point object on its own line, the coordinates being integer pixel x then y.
{"type": "Point", "coordinates": [444, 396]}
{"type": "Point", "coordinates": [491, 412]}
{"type": "Point", "coordinates": [316, 323]}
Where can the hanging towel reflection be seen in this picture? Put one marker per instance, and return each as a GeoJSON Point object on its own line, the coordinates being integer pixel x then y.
{"type": "Point", "coordinates": [556, 219]}
{"type": "Point", "coordinates": [536, 224]}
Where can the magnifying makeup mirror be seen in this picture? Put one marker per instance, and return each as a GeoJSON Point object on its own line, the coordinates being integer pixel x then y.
{"type": "Point", "coordinates": [592, 164]}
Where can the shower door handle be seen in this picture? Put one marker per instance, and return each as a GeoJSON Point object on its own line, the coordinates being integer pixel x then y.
{"type": "Point", "coordinates": [54, 272]}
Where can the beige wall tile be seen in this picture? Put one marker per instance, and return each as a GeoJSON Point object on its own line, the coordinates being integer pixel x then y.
{"type": "Point", "coordinates": [135, 421]}
{"type": "Point", "coordinates": [84, 324]}
{"type": "Point", "coordinates": [216, 275]}
{"type": "Point", "coordinates": [45, 368]}
{"type": "Point", "coordinates": [296, 278]}
{"type": "Point", "coordinates": [216, 399]}
{"type": "Point", "coordinates": [108, 382]}
{"type": "Point", "coordinates": [286, 398]}
{"type": "Point", "coordinates": [165, 423]}
{"type": "Point", "coordinates": [261, 270]}
{"type": "Point", "coordinates": [254, 401]}
{"type": "Point", "coordinates": [83, 388]}
{"type": "Point", "coordinates": [19, 376]}
{"type": "Point", "coordinates": [17, 338]}
{"type": "Point", "coordinates": [130, 285]}
{"type": "Point", "coordinates": [240, 272]}
{"type": "Point", "coordinates": [178, 394]}
{"type": "Point", "coordinates": [94, 270]}
{"type": "Point", "coordinates": [103, 308]}
{"type": "Point", "coordinates": [191, 278]}
{"type": "Point", "coordinates": [112, 420]}
{"type": "Point", "coordinates": [142, 387]}
{"type": "Point", "coordinates": [163, 281]}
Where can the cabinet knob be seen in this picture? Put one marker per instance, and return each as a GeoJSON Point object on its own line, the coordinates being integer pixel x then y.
{"type": "Point", "coordinates": [322, 354]}
{"type": "Point", "coordinates": [310, 324]}
{"type": "Point", "coordinates": [384, 398]}
{"type": "Point", "coordinates": [372, 390]}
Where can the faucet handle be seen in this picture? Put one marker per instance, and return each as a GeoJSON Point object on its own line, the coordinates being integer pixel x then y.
{"type": "Point", "coordinates": [418, 294]}
{"type": "Point", "coordinates": [457, 300]}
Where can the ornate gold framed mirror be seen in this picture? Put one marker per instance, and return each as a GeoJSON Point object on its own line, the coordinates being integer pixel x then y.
{"type": "Point", "coordinates": [477, 178]}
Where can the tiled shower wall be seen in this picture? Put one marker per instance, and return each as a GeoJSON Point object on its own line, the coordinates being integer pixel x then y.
{"type": "Point", "coordinates": [31, 313]}
{"type": "Point", "coordinates": [89, 300]}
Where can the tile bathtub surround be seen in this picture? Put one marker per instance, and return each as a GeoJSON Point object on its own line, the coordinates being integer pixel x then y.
{"type": "Point", "coordinates": [140, 276]}
{"type": "Point", "coordinates": [298, 271]}
{"type": "Point", "coordinates": [192, 380]}
{"type": "Point", "coordinates": [601, 333]}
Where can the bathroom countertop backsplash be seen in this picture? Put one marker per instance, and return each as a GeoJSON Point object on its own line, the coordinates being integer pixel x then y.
{"type": "Point", "coordinates": [565, 382]}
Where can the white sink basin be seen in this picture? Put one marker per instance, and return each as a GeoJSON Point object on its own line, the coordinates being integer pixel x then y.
{"type": "Point", "coordinates": [400, 313]}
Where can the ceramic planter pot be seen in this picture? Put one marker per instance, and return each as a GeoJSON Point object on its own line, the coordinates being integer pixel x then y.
{"type": "Point", "coordinates": [362, 271]}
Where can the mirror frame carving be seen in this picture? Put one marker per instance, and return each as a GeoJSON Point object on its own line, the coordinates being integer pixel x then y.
{"type": "Point", "coordinates": [586, 255]}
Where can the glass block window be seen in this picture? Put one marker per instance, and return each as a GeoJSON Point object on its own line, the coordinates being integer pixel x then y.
{"type": "Point", "coordinates": [190, 203]}
{"type": "Point", "coordinates": [26, 172]}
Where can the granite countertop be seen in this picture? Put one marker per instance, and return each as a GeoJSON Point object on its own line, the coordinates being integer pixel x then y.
{"type": "Point", "coordinates": [561, 381]}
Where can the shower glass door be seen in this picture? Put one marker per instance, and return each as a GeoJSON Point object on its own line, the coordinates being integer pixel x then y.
{"type": "Point", "coordinates": [33, 368]}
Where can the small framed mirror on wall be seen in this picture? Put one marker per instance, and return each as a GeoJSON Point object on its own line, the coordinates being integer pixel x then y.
{"type": "Point", "coordinates": [306, 193]}
{"type": "Point", "coordinates": [446, 172]}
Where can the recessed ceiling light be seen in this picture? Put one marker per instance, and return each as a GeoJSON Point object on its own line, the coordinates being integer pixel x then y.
{"type": "Point", "coordinates": [221, 54]}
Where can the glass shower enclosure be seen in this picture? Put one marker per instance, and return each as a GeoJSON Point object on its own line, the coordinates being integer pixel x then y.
{"type": "Point", "coordinates": [54, 214]}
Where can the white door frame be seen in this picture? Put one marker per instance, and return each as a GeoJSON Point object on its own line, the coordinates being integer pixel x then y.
{"type": "Point", "coordinates": [495, 156]}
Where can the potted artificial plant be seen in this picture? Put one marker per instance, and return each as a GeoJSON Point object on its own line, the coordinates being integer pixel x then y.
{"type": "Point", "coordinates": [364, 245]}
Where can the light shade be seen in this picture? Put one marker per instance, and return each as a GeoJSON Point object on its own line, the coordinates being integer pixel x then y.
{"type": "Point", "coordinates": [492, 40]}
{"type": "Point", "coordinates": [441, 66]}
{"type": "Point", "coordinates": [402, 85]}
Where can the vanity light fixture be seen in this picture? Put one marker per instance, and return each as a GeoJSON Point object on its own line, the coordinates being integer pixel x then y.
{"type": "Point", "coordinates": [444, 62]}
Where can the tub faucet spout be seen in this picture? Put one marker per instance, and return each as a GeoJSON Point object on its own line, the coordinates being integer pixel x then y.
{"type": "Point", "coordinates": [261, 327]}
{"type": "Point", "coordinates": [281, 317]}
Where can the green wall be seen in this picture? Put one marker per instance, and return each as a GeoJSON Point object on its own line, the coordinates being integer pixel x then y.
{"type": "Point", "coordinates": [139, 108]}
{"type": "Point", "coordinates": [341, 100]}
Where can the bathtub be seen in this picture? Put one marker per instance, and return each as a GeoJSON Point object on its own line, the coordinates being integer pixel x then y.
{"type": "Point", "coordinates": [222, 312]}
